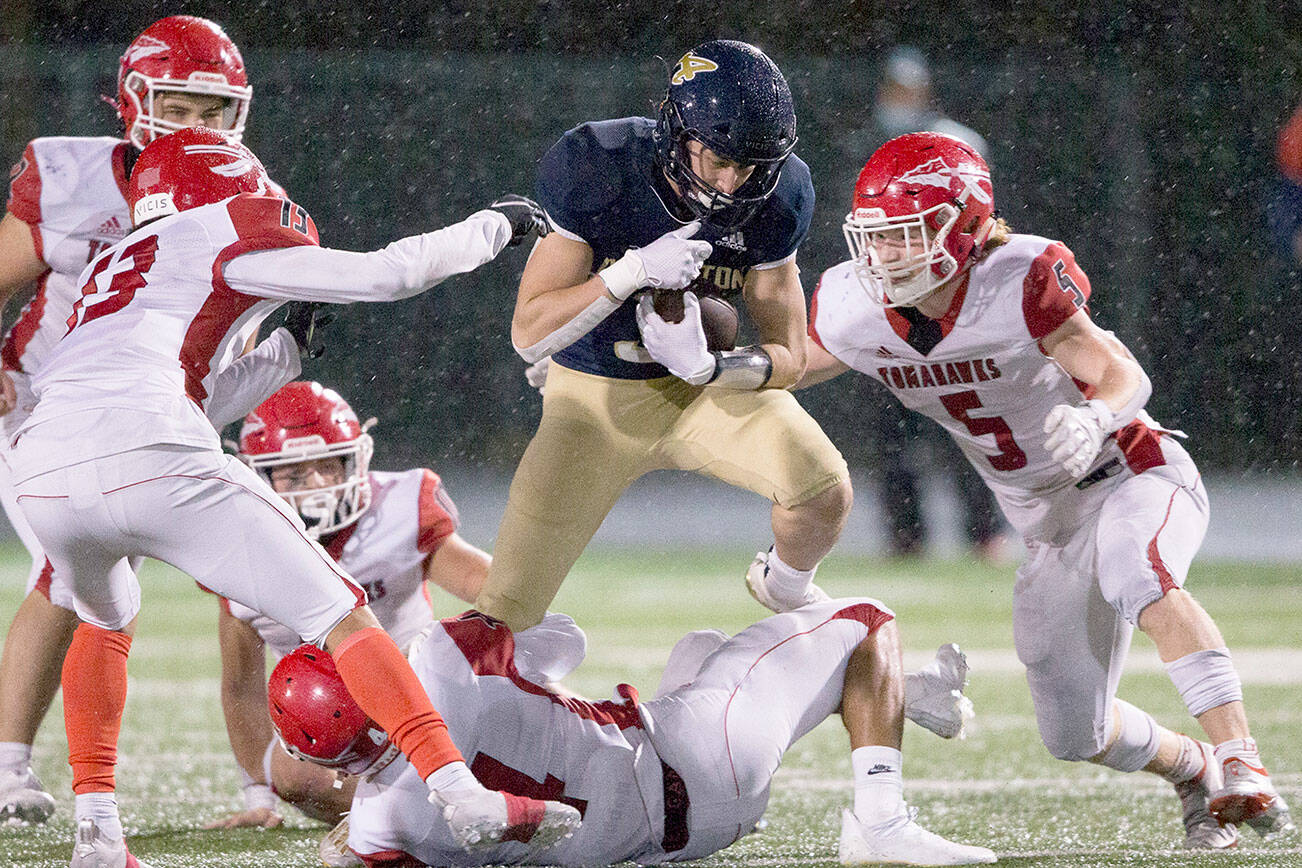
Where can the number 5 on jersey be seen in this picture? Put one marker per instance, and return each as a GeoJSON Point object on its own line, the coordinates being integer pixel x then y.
{"type": "Point", "coordinates": [114, 281]}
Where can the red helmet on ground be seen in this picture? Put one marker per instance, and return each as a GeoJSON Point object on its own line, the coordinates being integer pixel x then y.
{"type": "Point", "coordinates": [183, 54]}
{"type": "Point", "coordinates": [317, 718]}
{"type": "Point", "coordinates": [302, 422]}
{"type": "Point", "coordinates": [923, 207]}
{"type": "Point", "coordinates": [191, 167]}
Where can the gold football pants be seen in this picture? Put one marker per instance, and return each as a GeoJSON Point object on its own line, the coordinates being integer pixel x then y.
{"type": "Point", "coordinates": [598, 435]}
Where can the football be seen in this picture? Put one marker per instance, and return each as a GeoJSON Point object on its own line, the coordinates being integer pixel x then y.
{"type": "Point", "coordinates": [719, 319]}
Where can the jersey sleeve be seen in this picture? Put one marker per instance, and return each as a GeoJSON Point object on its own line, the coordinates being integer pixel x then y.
{"type": "Point", "coordinates": [1054, 288]}
{"type": "Point", "coordinates": [438, 518]}
{"type": "Point", "coordinates": [25, 188]}
{"type": "Point", "coordinates": [784, 223]}
{"type": "Point", "coordinates": [574, 186]}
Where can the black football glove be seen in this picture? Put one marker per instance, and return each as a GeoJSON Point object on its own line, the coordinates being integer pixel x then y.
{"type": "Point", "coordinates": [304, 320]}
{"type": "Point", "coordinates": [525, 215]}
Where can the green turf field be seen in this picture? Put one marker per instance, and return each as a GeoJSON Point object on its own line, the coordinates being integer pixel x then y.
{"type": "Point", "coordinates": [998, 787]}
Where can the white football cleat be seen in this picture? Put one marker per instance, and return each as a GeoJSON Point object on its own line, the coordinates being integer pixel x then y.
{"type": "Point", "coordinates": [1248, 796]}
{"type": "Point", "coordinates": [334, 851]}
{"type": "Point", "coordinates": [757, 584]}
{"type": "Point", "coordinates": [1201, 831]}
{"type": "Point", "coordinates": [480, 818]}
{"type": "Point", "coordinates": [93, 850]}
{"type": "Point", "coordinates": [23, 800]}
{"type": "Point", "coordinates": [901, 841]}
{"type": "Point", "coordinates": [933, 696]}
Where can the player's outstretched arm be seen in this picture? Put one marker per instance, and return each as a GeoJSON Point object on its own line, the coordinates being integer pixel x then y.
{"type": "Point", "coordinates": [244, 705]}
{"type": "Point", "coordinates": [400, 270]}
{"type": "Point", "coordinates": [820, 366]}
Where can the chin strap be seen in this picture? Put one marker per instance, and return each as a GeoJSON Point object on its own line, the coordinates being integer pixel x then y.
{"type": "Point", "coordinates": [745, 368]}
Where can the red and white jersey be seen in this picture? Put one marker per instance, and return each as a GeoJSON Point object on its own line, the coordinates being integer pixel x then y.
{"type": "Point", "coordinates": [71, 192]}
{"type": "Point", "coordinates": [980, 371]}
{"type": "Point", "coordinates": [517, 736]}
{"type": "Point", "coordinates": [165, 311]}
{"type": "Point", "coordinates": [385, 551]}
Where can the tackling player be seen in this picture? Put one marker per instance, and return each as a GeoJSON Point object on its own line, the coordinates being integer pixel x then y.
{"type": "Point", "coordinates": [988, 333]}
{"type": "Point", "coordinates": [709, 195]}
{"type": "Point", "coordinates": [394, 533]}
{"type": "Point", "coordinates": [676, 778]}
{"type": "Point", "coordinates": [117, 459]}
{"type": "Point", "coordinates": [67, 203]}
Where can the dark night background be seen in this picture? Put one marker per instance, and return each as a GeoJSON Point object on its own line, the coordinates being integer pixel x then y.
{"type": "Point", "coordinates": [1142, 136]}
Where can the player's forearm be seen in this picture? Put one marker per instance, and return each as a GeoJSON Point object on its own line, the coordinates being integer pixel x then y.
{"type": "Point", "coordinates": [549, 321]}
{"type": "Point", "coordinates": [247, 725]}
{"type": "Point", "coordinates": [788, 366]}
{"type": "Point", "coordinates": [253, 377]}
{"type": "Point", "coordinates": [402, 269]}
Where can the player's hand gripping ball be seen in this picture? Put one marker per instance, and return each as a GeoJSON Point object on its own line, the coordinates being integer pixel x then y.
{"type": "Point", "coordinates": [719, 318]}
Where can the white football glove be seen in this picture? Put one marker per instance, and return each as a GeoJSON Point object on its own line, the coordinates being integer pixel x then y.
{"type": "Point", "coordinates": [1076, 434]}
{"type": "Point", "coordinates": [536, 374]}
{"type": "Point", "coordinates": [670, 262]}
{"type": "Point", "coordinates": [679, 346]}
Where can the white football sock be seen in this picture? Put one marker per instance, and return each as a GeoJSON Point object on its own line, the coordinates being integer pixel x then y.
{"type": "Point", "coordinates": [878, 784]}
{"type": "Point", "coordinates": [103, 809]}
{"type": "Point", "coordinates": [1243, 748]}
{"type": "Point", "coordinates": [785, 581]}
{"type": "Point", "coordinates": [15, 756]}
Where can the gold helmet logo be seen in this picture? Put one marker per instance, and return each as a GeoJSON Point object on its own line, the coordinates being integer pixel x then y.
{"type": "Point", "coordinates": [689, 65]}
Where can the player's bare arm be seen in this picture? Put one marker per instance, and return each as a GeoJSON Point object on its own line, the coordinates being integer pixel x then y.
{"type": "Point", "coordinates": [820, 366]}
{"type": "Point", "coordinates": [19, 266]}
{"type": "Point", "coordinates": [556, 286]}
{"type": "Point", "coordinates": [1096, 357]}
{"type": "Point", "coordinates": [244, 705]}
{"type": "Point", "coordinates": [776, 305]}
{"type": "Point", "coordinates": [458, 568]}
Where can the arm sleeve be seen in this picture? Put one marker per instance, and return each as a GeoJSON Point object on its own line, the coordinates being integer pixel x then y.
{"type": "Point", "coordinates": [253, 378]}
{"type": "Point", "coordinates": [400, 270]}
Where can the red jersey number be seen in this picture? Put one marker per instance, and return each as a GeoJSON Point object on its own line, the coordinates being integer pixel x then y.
{"type": "Point", "coordinates": [114, 282]}
{"type": "Point", "coordinates": [1011, 456]}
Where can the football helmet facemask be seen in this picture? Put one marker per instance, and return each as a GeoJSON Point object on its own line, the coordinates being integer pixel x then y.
{"type": "Point", "coordinates": [317, 718]}
{"type": "Point", "coordinates": [305, 421]}
{"type": "Point", "coordinates": [185, 54]}
{"type": "Point", "coordinates": [732, 98]}
{"type": "Point", "coordinates": [191, 167]}
{"type": "Point", "coordinates": [923, 209]}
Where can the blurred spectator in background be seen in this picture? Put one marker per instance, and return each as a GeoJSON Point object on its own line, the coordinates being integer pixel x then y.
{"type": "Point", "coordinates": [903, 444]}
{"type": "Point", "coordinates": [1285, 207]}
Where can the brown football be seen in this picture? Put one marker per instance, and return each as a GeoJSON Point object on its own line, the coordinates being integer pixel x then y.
{"type": "Point", "coordinates": [719, 318]}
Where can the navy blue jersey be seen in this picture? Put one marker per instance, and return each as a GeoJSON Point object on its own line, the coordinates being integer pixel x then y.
{"type": "Point", "coordinates": [596, 184]}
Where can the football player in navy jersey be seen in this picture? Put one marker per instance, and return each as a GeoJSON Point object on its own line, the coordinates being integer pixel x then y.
{"type": "Point", "coordinates": [708, 197]}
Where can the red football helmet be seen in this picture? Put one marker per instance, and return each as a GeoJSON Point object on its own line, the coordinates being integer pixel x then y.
{"type": "Point", "coordinates": [304, 422]}
{"type": "Point", "coordinates": [186, 54]}
{"type": "Point", "coordinates": [923, 207]}
{"type": "Point", "coordinates": [188, 168]}
{"type": "Point", "coordinates": [317, 718]}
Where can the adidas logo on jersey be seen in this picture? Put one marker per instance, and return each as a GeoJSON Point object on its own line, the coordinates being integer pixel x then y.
{"type": "Point", "coordinates": [111, 228]}
{"type": "Point", "coordinates": [883, 353]}
{"type": "Point", "coordinates": [733, 241]}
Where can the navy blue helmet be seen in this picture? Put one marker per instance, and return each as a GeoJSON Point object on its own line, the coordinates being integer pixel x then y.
{"type": "Point", "coordinates": [730, 97]}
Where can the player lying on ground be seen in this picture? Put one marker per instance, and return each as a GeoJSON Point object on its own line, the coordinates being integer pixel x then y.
{"type": "Point", "coordinates": [679, 777]}
{"type": "Point", "coordinates": [118, 459]}
{"type": "Point", "coordinates": [987, 333]}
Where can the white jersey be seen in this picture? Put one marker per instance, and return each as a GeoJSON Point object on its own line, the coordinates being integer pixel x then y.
{"type": "Point", "coordinates": [385, 551]}
{"type": "Point", "coordinates": [165, 311]}
{"type": "Point", "coordinates": [674, 779]}
{"type": "Point", "coordinates": [519, 737]}
{"type": "Point", "coordinates": [71, 191]}
{"type": "Point", "coordinates": [980, 371]}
